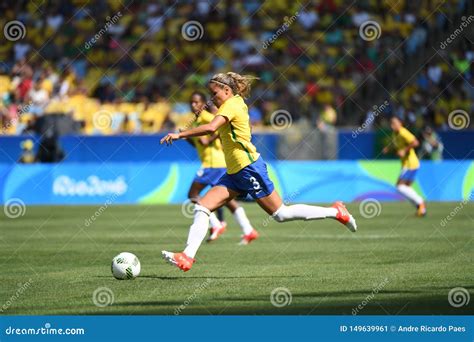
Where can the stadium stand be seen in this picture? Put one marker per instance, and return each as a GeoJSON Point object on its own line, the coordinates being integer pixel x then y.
{"type": "Point", "coordinates": [319, 67]}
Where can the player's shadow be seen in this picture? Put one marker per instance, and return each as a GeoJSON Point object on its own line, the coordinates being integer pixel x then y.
{"type": "Point", "coordinates": [218, 277]}
{"type": "Point", "coordinates": [314, 295]}
{"type": "Point", "coordinates": [408, 302]}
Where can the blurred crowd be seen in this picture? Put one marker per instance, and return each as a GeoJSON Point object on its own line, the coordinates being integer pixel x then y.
{"type": "Point", "coordinates": [441, 87]}
{"type": "Point", "coordinates": [131, 66]}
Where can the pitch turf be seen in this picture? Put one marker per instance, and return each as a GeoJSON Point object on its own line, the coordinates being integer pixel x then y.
{"type": "Point", "coordinates": [52, 263]}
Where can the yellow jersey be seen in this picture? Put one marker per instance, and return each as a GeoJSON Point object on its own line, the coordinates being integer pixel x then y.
{"type": "Point", "coordinates": [401, 140]}
{"type": "Point", "coordinates": [212, 155]}
{"type": "Point", "coordinates": [235, 135]}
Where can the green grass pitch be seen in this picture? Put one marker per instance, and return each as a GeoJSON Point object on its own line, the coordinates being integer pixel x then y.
{"type": "Point", "coordinates": [53, 262]}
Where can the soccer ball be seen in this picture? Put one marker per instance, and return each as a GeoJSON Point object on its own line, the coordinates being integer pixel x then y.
{"type": "Point", "coordinates": [125, 266]}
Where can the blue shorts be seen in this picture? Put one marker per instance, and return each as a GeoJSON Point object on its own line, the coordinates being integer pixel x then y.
{"type": "Point", "coordinates": [408, 175]}
{"type": "Point", "coordinates": [209, 176]}
{"type": "Point", "coordinates": [252, 180]}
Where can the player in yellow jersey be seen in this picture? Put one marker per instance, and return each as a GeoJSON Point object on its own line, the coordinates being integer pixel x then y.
{"type": "Point", "coordinates": [213, 167]}
{"type": "Point", "coordinates": [246, 171]}
{"type": "Point", "coordinates": [404, 144]}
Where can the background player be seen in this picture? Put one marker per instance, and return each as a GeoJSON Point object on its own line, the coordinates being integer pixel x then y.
{"type": "Point", "coordinates": [246, 170]}
{"type": "Point", "coordinates": [404, 144]}
{"type": "Point", "coordinates": [213, 167]}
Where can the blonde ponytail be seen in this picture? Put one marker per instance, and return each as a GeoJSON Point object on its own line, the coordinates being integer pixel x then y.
{"type": "Point", "coordinates": [240, 84]}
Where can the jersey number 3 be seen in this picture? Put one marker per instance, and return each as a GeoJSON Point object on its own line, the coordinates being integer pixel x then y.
{"type": "Point", "coordinates": [255, 184]}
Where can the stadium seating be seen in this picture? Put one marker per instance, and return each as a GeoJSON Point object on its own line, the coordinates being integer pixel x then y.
{"type": "Point", "coordinates": [306, 57]}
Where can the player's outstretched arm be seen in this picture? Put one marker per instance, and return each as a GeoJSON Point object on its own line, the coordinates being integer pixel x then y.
{"type": "Point", "coordinates": [206, 141]}
{"type": "Point", "coordinates": [205, 129]}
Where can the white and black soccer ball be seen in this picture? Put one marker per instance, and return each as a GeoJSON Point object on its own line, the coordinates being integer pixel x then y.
{"type": "Point", "coordinates": [125, 266]}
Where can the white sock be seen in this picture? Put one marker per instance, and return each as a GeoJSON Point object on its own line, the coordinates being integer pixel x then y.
{"type": "Point", "coordinates": [214, 221]}
{"type": "Point", "coordinates": [243, 220]}
{"type": "Point", "coordinates": [303, 212]}
{"type": "Point", "coordinates": [198, 230]}
{"type": "Point", "coordinates": [410, 194]}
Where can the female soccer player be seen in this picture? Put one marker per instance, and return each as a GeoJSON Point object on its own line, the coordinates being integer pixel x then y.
{"type": "Point", "coordinates": [404, 143]}
{"type": "Point", "coordinates": [213, 167]}
{"type": "Point", "coordinates": [246, 170]}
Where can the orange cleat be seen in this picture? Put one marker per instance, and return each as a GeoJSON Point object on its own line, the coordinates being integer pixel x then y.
{"type": "Point", "coordinates": [421, 211]}
{"type": "Point", "coordinates": [345, 217]}
{"type": "Point", "coordinates": [246, 239]}
{"type": "Point", "coordinates": [216, 232]}
{"type": "Point", "coordinates": [180, 260]}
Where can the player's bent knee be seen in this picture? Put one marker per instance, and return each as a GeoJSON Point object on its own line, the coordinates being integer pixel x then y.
{"type": "Point", "coordinates": [401, 186]}
{"type": "Point", "coordinates": [193, 199]}
{"type": "Point", "coordinates": [198, 207]}
{"type": "Point", "coordinates": [281, 214]}
{"type": "Point", "coordinates": [278, 218]}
